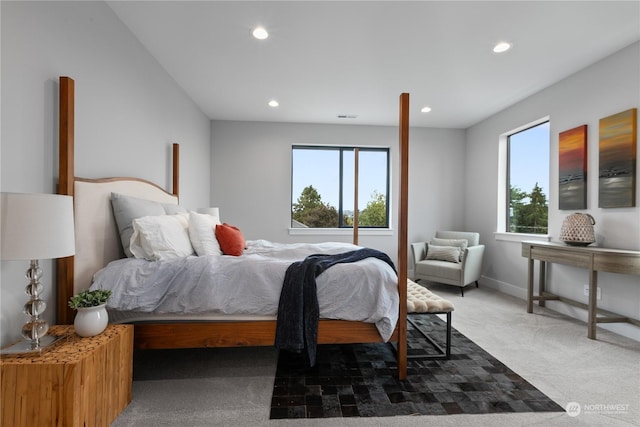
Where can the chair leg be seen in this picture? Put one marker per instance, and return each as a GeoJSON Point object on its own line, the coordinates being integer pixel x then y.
{"type": "Point", "coordinates": [461, 291]}
{"type": "Point", "coordinates": [477, 286]}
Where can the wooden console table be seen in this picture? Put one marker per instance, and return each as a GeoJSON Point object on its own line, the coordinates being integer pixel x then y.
{"type": "Point", "coordinates": [593, 259]}
{"type": "Point", "coordinates": [78, 382]}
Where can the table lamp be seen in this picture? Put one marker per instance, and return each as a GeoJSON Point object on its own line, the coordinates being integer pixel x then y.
{"type": "Point", "coordinates": [33, 227]}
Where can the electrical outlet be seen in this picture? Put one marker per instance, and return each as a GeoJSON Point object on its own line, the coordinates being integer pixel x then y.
{"type": "Point", "coordinates": [598, 292]}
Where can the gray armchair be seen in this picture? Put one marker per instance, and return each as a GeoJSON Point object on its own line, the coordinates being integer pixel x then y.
{"type": "Point", "coordinates": [461, 273]}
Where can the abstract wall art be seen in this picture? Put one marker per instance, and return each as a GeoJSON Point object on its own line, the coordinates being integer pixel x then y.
{"type": "Point", "coordinates": [617, 165]}
{"type": "Point", "coordinates": [572, 147]}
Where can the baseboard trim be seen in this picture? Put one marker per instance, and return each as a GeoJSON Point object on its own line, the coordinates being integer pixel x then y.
{"type": "Point", "coordinates": [504, 287]}
{"type": "Point", "coordinates": [625, 329]}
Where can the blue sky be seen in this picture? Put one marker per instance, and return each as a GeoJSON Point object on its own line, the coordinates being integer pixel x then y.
{"type": "Point", "coordinates": [529, 157]}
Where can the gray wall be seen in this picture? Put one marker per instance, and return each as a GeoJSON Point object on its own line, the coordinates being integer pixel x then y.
{"type": "Point", "coordinates": [128, 112]}
{"type": "Point", "coordinates": [607, 87]}
{"type": "Point", "coordinates": [251, 177]}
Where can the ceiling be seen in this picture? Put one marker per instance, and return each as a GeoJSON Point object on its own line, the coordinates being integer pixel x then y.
{"type": "Point", "coordinates": [328, 58]}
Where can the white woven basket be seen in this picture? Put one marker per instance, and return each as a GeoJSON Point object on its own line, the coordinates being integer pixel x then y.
{"type": "Point", "coordinates": [577, 229]}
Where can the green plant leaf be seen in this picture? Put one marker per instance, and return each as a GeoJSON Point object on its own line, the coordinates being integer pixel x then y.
{"type": "Point", "coordinates": [89, 298]}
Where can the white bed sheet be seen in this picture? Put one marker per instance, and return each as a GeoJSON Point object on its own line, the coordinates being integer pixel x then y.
{"type": "Point", "coordinates": [250, 285]}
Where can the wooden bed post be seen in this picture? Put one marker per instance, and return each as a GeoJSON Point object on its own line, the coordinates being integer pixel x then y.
{"type": "Point", "coordinates": [66, 175]}
{"type": "Point", "coordinates": [356, 215]}
{"type": "Point", "coordinates": [403, 207]}
{"type": "Point", "coordinates": [176, 169]}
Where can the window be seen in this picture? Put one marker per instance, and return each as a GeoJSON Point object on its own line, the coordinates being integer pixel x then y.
{"type": "Point", "coordinates": [323, 186]}
{"type": "Point", "coordinates": [528, 180]}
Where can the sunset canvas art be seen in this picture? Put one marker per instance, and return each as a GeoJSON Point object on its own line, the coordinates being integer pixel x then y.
{"type": "Point", "coordinates": [573, 168]}
{"type": "Point", "coordinates": [617, 166]}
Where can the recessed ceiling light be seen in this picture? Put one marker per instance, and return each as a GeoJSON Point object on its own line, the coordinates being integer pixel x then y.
{"type": "Point", "coordinates": [425, 109]}
{"type": "Point", "coordinates": [260, 33]}
{"type": "Point", "coordinates": [273, 103]}
{"type": "Point", "coordinates": [502, 47]}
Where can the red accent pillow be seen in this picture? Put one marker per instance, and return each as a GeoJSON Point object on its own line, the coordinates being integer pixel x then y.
{"type": "Point", "coordinates": [231, 239]}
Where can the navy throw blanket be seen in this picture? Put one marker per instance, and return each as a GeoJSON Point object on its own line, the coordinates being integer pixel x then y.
{"type": "Point", "coordinates": [298, 310]}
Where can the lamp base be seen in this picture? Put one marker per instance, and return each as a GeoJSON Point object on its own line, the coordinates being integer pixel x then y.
{"type": "Point", "coordinates": [26, 347]}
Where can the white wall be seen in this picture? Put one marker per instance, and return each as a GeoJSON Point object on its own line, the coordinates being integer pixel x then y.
{"type": "Point", "coordinates": [607, 87]}
{"type": "Point", "coordinates": [251, 177]}
{"type": "Point", "coordinates": [128, 112]}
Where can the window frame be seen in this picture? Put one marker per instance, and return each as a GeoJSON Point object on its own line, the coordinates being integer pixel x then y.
{"type": "Point", "coordinates": [504, 163]}
{"type": "Point", "coordinates": [342, 228]}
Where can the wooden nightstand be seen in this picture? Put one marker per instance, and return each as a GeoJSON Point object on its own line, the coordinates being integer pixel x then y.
{"type": "Point", "coordinates": [79, 382]}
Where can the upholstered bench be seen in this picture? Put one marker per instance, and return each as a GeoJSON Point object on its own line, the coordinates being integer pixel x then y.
{"type": "Point", "coordinates": [421, 300]}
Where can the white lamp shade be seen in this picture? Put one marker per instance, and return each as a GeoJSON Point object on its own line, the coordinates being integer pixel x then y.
{"type": "Point", "coordinates": [36, 226]}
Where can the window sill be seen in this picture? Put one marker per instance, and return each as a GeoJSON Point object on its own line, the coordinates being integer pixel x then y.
{"type": "Point", "coordinates": [340, 231]}
{"type": "Point", "coordinates": [520, 237]}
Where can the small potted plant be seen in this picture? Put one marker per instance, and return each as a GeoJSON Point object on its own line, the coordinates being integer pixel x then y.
{"type": "Point", "coordinates": [92, 317]}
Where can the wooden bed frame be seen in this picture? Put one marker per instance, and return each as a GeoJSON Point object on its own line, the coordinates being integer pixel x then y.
{"type": "Point", "coordinates": [227, 333]}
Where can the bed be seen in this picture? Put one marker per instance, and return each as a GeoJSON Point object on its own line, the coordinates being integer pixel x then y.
{"type": "Point", "coordinates": [98, 244]}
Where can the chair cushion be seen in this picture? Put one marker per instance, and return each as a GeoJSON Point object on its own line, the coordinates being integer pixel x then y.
{"type": "Point", "coordinates": [442, 269]}
{"type": "Point", "coordinates": [422, 300]}
{"type": "Point", "coordinates": [459, 243]}
{"type": "Point", "coordinates": [443, 253]}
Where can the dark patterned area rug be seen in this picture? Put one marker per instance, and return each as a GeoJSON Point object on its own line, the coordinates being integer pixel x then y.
{"type": "Point", "coordinates": [360, 380]}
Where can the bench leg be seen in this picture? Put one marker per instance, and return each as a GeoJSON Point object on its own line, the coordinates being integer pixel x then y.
{"type": "Point", "coordinates": [448, 344]}
{"type": "Point", "coordinates": [442, 353]}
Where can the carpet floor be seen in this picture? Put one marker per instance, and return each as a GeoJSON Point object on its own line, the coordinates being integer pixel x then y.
{"type": "Point", "coordinates": [360, 380]}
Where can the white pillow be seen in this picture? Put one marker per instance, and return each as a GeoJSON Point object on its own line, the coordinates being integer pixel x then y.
{"type": "Point", "coordinates": [126, 209]}
{"type": "Point", "coordinates": [443, 253]}
{"type": "Point", "coordinates": [161, 237]}
{"type": "Point", "coordinates": [202, 233]}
